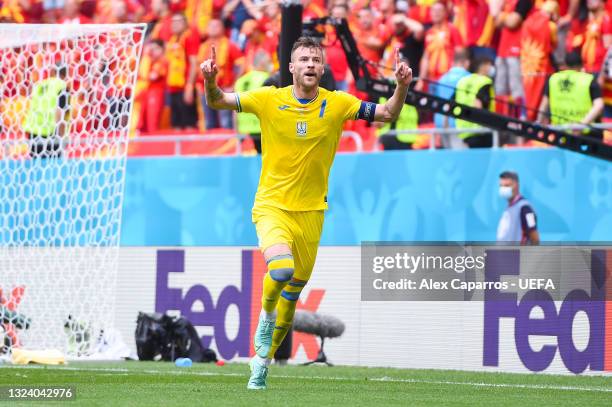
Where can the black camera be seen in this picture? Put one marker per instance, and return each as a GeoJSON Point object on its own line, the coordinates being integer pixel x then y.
{"type": "Point", "coordinates": [314, 28]}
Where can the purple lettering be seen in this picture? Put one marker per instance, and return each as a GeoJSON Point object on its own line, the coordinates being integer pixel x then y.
{"type": "Point", "coordinates": [207, 317]}
{"type": "Point", "coordinates": [525, 326]}
{"type": "Point", "coordinates": [166, 298]}
{"type": "Point", "coordinates": [559, 325]}
{"type": "Point", "coordinates": [592, 355]}
{"type": "Point", "coordinates": [497, 304]}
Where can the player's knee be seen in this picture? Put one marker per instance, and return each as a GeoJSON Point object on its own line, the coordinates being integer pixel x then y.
{"type": "Point", "coordinates": [281, 267]}
{"type": "Point", "coordinates": [292, 291]}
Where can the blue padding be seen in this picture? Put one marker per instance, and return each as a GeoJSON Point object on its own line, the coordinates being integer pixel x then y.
{"type": "Point", "coordinates": [290, 296]}
{"type": "Point", "coordinates": [418, 195]}
{"type": "Point", "coordinates": [281, 275]}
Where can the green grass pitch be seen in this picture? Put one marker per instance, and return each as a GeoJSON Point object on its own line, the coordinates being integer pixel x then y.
{"type": "Point", "coordinates": [163, 384]}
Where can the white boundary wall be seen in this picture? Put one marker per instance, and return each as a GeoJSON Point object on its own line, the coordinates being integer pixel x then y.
{"type": "Point", "coordinates": [426, 335]}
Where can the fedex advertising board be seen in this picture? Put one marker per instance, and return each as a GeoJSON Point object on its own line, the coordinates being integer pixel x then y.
{"type": "Point", "coordinates": [218, 289]}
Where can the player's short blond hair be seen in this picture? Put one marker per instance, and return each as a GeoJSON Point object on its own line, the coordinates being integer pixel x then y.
{"type": "Point", "coordinates": [307, 42]}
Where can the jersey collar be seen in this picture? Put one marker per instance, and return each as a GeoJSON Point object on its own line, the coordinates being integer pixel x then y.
{"type": "Point", "coordinates": [303, 101]}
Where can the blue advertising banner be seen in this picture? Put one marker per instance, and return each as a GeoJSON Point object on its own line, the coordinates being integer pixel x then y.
{"type": "Point", "coordinates": [393, 196]}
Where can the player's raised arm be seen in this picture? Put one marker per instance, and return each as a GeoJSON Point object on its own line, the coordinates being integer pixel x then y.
{"type": "Point", "coordinates": [215, 97]}
{"type": "Point", "coordinates": [389, 111]}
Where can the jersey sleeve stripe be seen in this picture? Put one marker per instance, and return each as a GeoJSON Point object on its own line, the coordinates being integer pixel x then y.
{"type": "Point", "coordinates": [323, 105]}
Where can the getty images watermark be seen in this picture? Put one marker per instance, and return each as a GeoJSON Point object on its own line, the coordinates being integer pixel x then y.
{"type": "Point", "coordinates": [474, 272]}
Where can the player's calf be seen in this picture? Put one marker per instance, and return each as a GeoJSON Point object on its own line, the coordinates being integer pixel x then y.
{"type": "Point", "coordinates": [280, 272]}
{"type": "Point", "coordinates": [285, 312]}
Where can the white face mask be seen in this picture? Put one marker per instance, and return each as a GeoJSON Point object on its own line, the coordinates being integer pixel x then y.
{"type": "Point", "coordinates": [491, 72]}
{"type": "Point", "coordinates": [505, 192]}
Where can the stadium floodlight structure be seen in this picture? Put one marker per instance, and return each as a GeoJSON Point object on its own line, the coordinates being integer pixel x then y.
{"type": "Point", "coordinates": [291, 29]}
{"type": "Point", "coordinates": [67, 93]}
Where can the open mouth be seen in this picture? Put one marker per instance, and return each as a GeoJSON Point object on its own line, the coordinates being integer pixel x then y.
{"type": "Point", "coordinates": [310, 74]}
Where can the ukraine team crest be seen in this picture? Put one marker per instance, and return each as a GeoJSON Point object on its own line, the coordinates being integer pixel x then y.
{"type": "Point", "coordinates": [301, 129]}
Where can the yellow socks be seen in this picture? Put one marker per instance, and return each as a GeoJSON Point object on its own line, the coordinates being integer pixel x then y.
{"type": "Point", "coordinates": [280, 271]}
{"type": "Point", "coordinates": [285, 311]}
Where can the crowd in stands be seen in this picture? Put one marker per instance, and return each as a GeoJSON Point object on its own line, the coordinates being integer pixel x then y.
{"type": "Point", "coordinates": [525, 42]}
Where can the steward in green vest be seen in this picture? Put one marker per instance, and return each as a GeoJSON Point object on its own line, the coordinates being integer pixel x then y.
{"type": "Point", "coordinates": [572, 96]}
{"type": "Point", "coordinates": [248, 123]}
{"type": "Point", "coordinates": [408, 120]}
{"type": "Point", "coordinates": [47, 117]}
{"type": "Point", "coordinates": [476, 90]}
{"type": "Point", "coordinates": [569, 96]}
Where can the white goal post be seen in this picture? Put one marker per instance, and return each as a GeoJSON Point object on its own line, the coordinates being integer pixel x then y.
{"type": "Point", "coordinates": [66, 94]}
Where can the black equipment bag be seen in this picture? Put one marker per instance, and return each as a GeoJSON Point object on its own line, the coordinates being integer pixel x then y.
{"type": "Point", "coordinates": [162, 337]}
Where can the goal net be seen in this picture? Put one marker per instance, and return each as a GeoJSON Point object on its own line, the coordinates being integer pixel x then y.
{"type": "Point", "coordinates": [65, 105]}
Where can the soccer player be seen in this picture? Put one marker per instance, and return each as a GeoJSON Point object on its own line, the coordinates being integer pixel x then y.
{"type": "Point", "coordinates": [301, 125]}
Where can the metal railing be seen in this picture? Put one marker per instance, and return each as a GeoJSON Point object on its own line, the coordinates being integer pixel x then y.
{"type": "Point", "coordinates": [178, 140]}
{"type": "Point", "coordinates": [443, 132]}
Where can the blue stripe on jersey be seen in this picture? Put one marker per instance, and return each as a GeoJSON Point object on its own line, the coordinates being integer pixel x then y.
{"type": "Point", "coordinates": [322, 111]}
{"type": "Point", "coordinates": [366, 111]}
{"type": "Point", "coordinates": [238, 102]}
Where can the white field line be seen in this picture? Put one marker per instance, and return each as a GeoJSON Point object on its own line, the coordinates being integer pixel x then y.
{"type": "Point", "coordinates": [338, 378]}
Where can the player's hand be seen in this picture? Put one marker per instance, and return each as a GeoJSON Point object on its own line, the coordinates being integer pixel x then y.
{"type": "Point", "coordinates": [403, 73]}
{"type": "Point", "coordinates": [209, 67]}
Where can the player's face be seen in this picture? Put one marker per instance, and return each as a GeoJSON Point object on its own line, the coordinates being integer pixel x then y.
{"type": "Point", "coordinates": [307, 67]}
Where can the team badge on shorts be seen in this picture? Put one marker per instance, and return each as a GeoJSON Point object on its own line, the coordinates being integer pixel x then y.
{"type": "Point", "coordinates": [300, 129]}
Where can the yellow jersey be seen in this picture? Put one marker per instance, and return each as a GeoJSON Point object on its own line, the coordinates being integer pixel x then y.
{"type": "Point", "coordinates": [299, 141]}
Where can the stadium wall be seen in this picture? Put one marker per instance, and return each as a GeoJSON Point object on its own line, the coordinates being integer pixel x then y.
{"type": "Point", "coordinates": [395, 196]}
{"type": "Point", "coordinates": [217, 288]}
{"type": "Point", "coordinates": [195, 214]}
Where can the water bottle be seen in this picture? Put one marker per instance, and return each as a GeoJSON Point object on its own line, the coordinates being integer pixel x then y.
{"type": "Point", "coordinates": [183, 362]}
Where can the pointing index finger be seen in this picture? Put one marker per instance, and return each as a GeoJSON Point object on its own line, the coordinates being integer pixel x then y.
{"type": "Point", "coordinates": [397, 57]}
{"type": "Point", "coordinates": [213, 54]}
